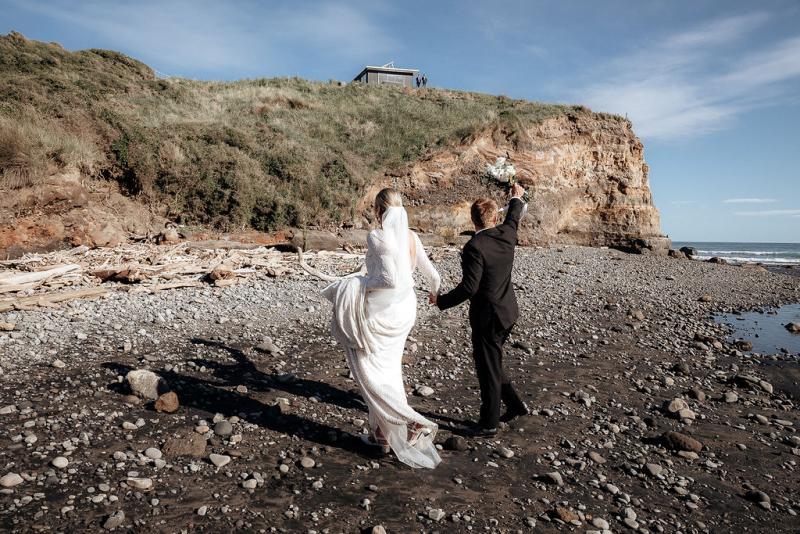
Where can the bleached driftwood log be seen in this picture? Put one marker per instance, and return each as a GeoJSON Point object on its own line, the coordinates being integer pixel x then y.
{"type": "Point", "coordinates": [48, 299]}
{"type": "Point", "coordinates": [36, 276]}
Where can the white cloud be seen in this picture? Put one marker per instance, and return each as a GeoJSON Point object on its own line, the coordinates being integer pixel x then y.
{"type": "Point", "coordinates": [716, 32]}
{"type": "Point", "coordinates": [769, 213]}
{"type": "Point", "coordinates": [749, 201]}
{"type": "Point", "coordinates": [697, 81]}
{"type": "Point", "coordinates": [204, 35]}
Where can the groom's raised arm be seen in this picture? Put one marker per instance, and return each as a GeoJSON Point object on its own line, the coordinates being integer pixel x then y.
{"type": "Point", "coordinates": [514, 213]}
{"type": "Point", "coordinates": [472, 268]}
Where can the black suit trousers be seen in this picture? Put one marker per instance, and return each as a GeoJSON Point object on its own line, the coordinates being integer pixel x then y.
{"type": "Point", "coordinates": [487, 350]}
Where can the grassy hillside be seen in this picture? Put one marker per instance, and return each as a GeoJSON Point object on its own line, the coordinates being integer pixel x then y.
{"type": "Point", "coordinates": [262, 153]}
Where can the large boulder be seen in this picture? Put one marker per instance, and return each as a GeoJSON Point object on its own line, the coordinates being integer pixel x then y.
{"type": "Point", "coordinates": [688, 251]}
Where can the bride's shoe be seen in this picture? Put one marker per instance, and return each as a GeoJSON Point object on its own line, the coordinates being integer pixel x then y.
{"type": "Point", "coordinates": [416, 431]}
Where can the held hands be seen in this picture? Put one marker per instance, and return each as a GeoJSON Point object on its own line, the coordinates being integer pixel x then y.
{"type": "Point", "coordinates": [517, 191]}
{"type": "Point", "coordinates": [433, 299]}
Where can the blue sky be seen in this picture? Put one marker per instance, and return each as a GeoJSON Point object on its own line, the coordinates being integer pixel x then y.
{"type": "Point", "coordinates": [712, 87]}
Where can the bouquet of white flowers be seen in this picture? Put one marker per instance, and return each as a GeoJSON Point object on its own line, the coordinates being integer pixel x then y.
{"type": "Point", "coordinates": [504, 172]}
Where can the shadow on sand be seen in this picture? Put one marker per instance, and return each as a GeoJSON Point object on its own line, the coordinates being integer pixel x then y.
{"type": "Point", "coordinates": [210, 396]}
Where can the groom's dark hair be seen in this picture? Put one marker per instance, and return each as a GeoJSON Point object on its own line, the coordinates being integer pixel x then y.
{"type": "Point", "coordinates": [483, 212]}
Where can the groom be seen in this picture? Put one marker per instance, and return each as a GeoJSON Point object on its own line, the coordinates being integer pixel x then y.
{"type": "Point", "coordinates": [486, 262]}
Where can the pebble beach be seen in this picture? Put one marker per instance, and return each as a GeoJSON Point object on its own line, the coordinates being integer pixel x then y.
{"type": "Point", "coordinates": [240, 414]}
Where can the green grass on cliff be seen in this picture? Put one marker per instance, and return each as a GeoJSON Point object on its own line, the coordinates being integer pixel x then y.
{"type": "Point", "coordinates": [264, 153]}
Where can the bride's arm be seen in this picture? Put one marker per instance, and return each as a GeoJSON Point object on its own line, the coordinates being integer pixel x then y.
{"type": "Point", "coordinates": [381, 274]}
{"type": "Point", "coordinates": [429, 272]}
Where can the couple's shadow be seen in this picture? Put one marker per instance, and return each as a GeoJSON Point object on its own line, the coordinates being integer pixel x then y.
{"type": "Point", "coordinates": [211, 395]}
{"type": "Point", "coordinates": [245, 372]}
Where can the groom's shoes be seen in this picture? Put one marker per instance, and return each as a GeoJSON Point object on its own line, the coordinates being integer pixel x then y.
{"type": "Point", "coordinates": [480, 431]}
{"type": "Point", "coordinates": [513, 413]}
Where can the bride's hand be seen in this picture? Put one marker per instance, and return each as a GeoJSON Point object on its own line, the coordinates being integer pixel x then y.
{"type": "Point", "coordinates": [432, 298]}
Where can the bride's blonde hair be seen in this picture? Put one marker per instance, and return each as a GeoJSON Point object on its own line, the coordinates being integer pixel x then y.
{"type": "Point", "coordinates": [387, 198]}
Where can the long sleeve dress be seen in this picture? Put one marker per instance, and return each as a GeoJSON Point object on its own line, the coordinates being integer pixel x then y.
{"type": "Point", "coordinates": [372, 318]}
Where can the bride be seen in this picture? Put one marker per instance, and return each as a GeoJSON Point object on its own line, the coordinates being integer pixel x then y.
{"type": "Point", "coordinates": [372, 316]}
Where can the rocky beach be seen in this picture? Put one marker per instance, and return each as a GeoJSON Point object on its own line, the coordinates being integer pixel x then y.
{"type": "Point", "coordinates": [229, 408]}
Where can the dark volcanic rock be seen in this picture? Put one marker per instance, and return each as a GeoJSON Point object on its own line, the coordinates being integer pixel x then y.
{"type": "Point", "coordinates": [681, 442]}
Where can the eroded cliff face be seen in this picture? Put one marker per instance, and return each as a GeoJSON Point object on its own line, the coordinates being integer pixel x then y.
{"type": "Point", "coordinates": [68, 210]}
{"type": "Point", "coordinates": [585, 173]}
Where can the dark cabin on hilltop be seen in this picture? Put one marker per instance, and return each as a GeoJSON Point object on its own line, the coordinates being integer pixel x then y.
{"type": "Point", "coordinates": [387, 74]}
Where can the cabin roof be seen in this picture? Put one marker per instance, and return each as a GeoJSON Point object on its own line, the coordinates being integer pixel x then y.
{"type": "Point", "coordinates": [392, 70]}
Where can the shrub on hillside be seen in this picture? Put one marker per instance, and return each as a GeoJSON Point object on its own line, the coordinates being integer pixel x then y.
{"type": "Point", "coordinates": [265, 153]}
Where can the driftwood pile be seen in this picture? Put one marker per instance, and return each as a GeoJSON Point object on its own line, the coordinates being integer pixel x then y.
{"type": "Point", "coordinates": [80, 273]}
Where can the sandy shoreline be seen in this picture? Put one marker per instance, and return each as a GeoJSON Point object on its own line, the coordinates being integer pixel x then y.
{"type": "Point", "coordinates": [605, 341]}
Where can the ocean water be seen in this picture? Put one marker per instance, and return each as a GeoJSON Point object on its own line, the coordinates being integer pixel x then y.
{"type": "Point", "coordinates": [766, 253]}
{"type": "Point", "coordinates": [766, 330]}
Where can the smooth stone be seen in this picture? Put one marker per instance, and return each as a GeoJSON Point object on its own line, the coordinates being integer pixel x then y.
{"type": "Point", "coordinates": [10, 480]}
{"type": "Point", "coordinates": [757, 496]}
{"type": "Point", "coordinates": [424, 391]}
{"type": "Point", "coordinates": [60, 462]}
{"type": "Point", "coordinates": [436, 514]}
{"type": "Point", "coordinates": [223, 428]}
{"type": "Point", "coordinates": [219, 460]}
{"type": "Point", "coordinates": [167, 403]}
{"type": "Point", "coordinates": [654, 469]}
{"type": "Point", "coordinates": [681, 442]}
{"type": "Point", "coordinates": [505, 452]}
{"type": "Point", "coordinates": [676, 405]}
{"type": "Point", "coordinates": [596, 457]}
{"type": "Point", "coordinates": [145, 383]}
{"type": "Point", "coordinates": [114, 520]}
{"type": "Point", "coordinates": [140, 483]}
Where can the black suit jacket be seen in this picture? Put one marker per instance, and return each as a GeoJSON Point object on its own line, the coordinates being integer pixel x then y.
{"type": "Point", "coordinates": [486, 262]}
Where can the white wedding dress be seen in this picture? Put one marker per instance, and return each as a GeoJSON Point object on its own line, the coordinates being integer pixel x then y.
{"type": "Point", "coordinates": [372, 316]}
